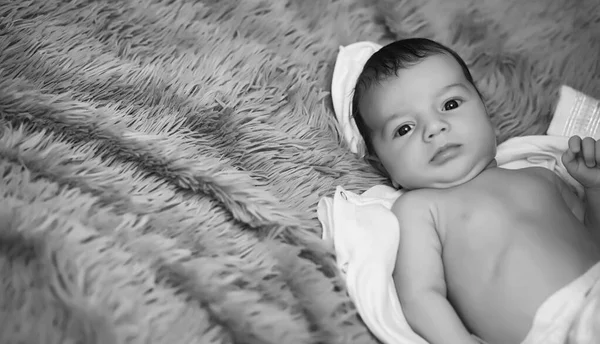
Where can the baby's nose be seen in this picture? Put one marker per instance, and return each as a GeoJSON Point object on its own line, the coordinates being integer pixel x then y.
{"type": "Point", "coordinates": [436, 128]}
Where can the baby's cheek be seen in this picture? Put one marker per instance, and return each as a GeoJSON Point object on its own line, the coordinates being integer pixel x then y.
{"type": "Point", "coordinates": [403, 165]}
{"type": "Point", "coordinates": [404, 172]}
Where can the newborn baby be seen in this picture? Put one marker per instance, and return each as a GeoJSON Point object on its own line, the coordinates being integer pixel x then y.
{"type": "Point", "coordinates": [482, 249]}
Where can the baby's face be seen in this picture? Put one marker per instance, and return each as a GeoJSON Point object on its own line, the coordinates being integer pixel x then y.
{"type": "Point", "coordinates": [429, 127]}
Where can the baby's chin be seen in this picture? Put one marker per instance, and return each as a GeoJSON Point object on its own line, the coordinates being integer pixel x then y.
{"type": "Point", "coordinates": [448, 180]}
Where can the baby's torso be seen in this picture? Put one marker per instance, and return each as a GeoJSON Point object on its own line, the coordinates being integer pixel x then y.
{"type": "Point", "coordinates": [509, 242]}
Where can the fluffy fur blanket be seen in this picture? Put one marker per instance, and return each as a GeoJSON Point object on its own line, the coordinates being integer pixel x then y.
{"type": "Point", "coordinates": [161, 161]}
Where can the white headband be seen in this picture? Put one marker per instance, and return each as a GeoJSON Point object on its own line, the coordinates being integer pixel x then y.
{"type": "Point", "coordinates": [348, 66]}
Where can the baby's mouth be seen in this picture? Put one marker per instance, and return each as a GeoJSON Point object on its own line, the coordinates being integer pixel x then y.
{"type": "Point", "coordinates": [445, 153]}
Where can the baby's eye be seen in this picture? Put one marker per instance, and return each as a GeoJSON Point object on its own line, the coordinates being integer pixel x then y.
{"type": "Point", "coordinates": [403, 130]}
{"type": "Point", "coordinates": [451, 104]}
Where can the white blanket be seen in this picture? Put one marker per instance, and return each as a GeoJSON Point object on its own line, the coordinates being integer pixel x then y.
{"type": "Point", "coordinates": [363, 230]}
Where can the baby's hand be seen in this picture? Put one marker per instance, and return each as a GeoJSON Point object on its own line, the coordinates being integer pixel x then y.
{"type": "Point", "coordinates": [582, 161]}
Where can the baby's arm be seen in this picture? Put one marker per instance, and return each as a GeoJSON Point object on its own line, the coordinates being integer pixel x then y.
{"type": "Point", "coordinates": [419, 276]}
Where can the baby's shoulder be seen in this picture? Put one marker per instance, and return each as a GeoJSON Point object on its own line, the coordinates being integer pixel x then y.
{"type": "Point", "coordinates": [414, 203]}
{"type": "Point", "coordinates": [415, 213]}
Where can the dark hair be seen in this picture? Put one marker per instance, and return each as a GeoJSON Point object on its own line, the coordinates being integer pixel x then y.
{"type": "Point", "coordinates": [386, 63]}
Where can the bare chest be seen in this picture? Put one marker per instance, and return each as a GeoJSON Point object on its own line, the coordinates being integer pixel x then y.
{"type": "Point", "coordinates": [509, 242]}
{"type": "Point", "coordinates": [499, 205]}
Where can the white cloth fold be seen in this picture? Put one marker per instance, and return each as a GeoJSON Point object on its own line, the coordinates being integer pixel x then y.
{"type": "Point", "coordinates": [348, 66]}
{"type": "Point", "coordinates": [363, 230]}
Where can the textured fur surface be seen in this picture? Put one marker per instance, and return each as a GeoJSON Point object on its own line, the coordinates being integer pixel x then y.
{"type": "Point", "coordinates": [161, 161]}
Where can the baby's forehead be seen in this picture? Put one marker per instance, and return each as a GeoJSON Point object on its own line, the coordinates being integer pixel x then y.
{"type": "Point", "coordinates": [419, 84]}
{"type": "Point", "coordinates": [442, 67]}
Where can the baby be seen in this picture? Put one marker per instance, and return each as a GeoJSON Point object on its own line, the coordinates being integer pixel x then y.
{"type": "Point", "coordinates": [482, 248]}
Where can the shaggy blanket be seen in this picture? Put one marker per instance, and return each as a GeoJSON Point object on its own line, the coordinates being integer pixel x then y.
{"type": "Point", "coordinates": [161, 161]}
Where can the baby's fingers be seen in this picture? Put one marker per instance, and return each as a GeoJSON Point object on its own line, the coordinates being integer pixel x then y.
{"type": "Point", "coordinates": [575, 144]}
{"type": "Point", "coordinates": [568, 158]}
{"type": "Point", "coordinates": [588, 147]}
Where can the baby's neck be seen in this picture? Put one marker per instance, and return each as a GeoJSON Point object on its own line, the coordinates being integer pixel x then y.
{"type": "Point", "coordinates": [492, 164]}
